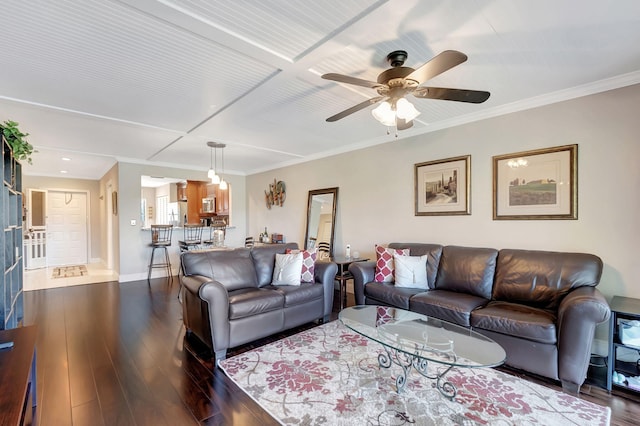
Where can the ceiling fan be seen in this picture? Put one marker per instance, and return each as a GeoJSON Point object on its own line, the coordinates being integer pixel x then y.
{"type": "Point", "coordinates": [397, 82]}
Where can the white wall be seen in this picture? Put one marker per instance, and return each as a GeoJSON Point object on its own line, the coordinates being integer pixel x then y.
{"type": "Point", "coordinates": [376, 186]}
{"type": "Point", "coordinates": [108, 183]}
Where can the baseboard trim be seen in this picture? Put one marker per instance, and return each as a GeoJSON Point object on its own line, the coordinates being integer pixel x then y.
{"type": "Point", "coordinates": [143, 275]}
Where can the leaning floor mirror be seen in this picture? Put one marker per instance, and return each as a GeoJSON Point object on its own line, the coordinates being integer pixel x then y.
{"type": "Point", "coordinates": [321, 221]}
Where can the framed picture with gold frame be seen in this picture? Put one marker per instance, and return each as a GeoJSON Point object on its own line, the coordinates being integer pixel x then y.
{"type": "Point", "coordinates": [538, 184]}
{"type": "Point", "coordinates": [442, 187]}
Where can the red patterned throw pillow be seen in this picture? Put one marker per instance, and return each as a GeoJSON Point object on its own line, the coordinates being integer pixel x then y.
{"type": "Point", "coordinates": [384, 263]}
{"type": "Point", "coordinates": [308, 264]}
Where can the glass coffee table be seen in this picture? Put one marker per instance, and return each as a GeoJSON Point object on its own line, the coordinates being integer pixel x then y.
{"type": "Point", "coordinates": [415, 340]}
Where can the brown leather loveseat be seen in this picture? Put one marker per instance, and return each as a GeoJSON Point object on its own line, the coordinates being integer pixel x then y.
{"type": "Point", "coordinates": [228, 299]}
{"type": "Point", "coordinates": [541, 307]}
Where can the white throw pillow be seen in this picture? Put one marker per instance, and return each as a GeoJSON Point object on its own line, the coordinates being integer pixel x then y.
{"type": "Point", "coordinates": [411, 271]}
{"type": "Point", "coordinates": [288, 269]}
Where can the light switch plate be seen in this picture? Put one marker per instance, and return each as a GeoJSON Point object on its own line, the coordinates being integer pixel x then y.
{"type": "Point", "coordinates": [133, 222]}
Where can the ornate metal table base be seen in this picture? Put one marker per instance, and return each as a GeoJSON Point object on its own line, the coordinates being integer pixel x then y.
{"type": "Point", "coordinates": [406, 361]}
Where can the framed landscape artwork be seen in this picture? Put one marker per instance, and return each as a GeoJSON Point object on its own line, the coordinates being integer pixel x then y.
{"type": "Point", "coordinates": [539, 184]}
{"type": "Point", "coordinates": [442, 187]}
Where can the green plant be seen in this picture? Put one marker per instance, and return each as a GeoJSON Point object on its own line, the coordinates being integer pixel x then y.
{"type": "Point", "coordinates": [22, 149]}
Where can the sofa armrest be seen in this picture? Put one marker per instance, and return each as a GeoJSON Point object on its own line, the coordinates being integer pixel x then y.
{"type": "Point", "coordinates": [325, 274]}
{"type": "Point", "coordinates": [192, 283]}
{"type": "Point", "coordinates": [579, 313]}
{"type": "Point", "coordinates": [217, 299]}
{"type": "Point", "coordinates": [363, 272]}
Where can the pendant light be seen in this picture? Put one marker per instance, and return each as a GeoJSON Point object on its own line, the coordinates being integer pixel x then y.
{"type": "Point", "coordinates": [211, 173]}
{"type": "Point", "coordinates": [215, 179]}
{"type": "Point", "coordinates": [223, 183]}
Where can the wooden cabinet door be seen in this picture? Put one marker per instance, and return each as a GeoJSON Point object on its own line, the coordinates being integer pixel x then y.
{"type": "Point", "coordinates": [182, 191]}
{"type": "Point", "coordinates": [211, 190]}
{"type": "Point", "coordinates": [222, 200]}
{"type": "Point", "coordinates": [194, 201]}
{"type": "Point", "coordinates": [203, 192]}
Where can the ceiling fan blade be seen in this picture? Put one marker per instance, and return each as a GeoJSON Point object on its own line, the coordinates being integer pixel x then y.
{"type": "Point", "coordinates": [436, 66]}
{"type": "Point", "coordinates": [459, 95]}
{"type": "Point", "coordinates": [351, 80]}
{"type": "Point", "coordinates": [355, 108]}
{"type": "Point", "coordinates": [402, 124]}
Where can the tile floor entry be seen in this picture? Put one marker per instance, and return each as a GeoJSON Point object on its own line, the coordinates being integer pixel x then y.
{"type": "Point", "coordinates": [69, 271]}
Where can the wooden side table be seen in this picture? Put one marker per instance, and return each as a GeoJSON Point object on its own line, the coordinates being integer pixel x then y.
{"type": "Point", "coordinates": [344, 275]}
{"type": "Point", "coordinates": [18, 376]}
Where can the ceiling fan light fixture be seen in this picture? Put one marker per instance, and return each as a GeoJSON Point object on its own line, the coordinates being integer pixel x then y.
{"type": "Point", "coordinates": [406, 110]}
{"type": "Point", "coordinates": [384, 114]}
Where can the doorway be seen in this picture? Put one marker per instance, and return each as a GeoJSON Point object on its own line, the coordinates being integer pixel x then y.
{"type": "Point", "coordinates": [35, 237]}
{"type": "Point", "coordinates": [66, 228]}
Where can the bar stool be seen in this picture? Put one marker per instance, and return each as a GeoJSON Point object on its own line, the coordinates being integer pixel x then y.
{"type": "Point", "coordinates": [160, 239]}
{"type": "Point", "coordinates": [192, 237]}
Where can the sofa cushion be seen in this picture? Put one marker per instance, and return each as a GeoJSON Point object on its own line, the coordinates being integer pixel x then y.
{"type": "Point", "coordinates": [389, 294]}
{"type": "Point", "coordinates": [543, 278]}
{"type": "Point", "coordinates": [411, 271]}
{"type": "Point", "coordinates": [433, 251]}
{"type": "Point", "coordinates": [288, 269]}
{"type": "Point", "coordinates": [247, 302]}
{"type": "Point", "coordinates": [298, 295]}
{"type": "Point", "coordinates": [264, 259]}
{"type": "Point", "coordinates": [468, 270]}
{"type": "Point", "coordinates": [308, 264]}
{"type": "Point", "coordinates": [232, 268]}
{"type": "Point", "coordinates": [385, 264]}
{"type": "Point", "coordinates": [447, 305]}
{"type": "Point", "coordinates": [517, 320]}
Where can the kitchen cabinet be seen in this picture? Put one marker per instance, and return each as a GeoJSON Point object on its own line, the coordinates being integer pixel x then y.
{"type": "Point", "coordinates": [222, 200]}
{"type": "Point", "coordinates": [196, 191]}
{"type": "Point", "coordinates": [182, 191]}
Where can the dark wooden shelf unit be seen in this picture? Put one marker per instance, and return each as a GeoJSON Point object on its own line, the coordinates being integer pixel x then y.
{"type": "Point", "coordinates": [11, 296]}
{"type": "Point", "coordinates": [622, 308]}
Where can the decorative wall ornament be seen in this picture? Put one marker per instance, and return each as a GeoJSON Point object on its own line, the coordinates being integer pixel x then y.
{"type": "Point", "coordinates": [276, 195]}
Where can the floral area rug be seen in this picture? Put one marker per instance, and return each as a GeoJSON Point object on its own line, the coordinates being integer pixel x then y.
{"type": "Point", "coordinates": [330, 375]}
{"type": "Point", "coordinates": [69, 271]}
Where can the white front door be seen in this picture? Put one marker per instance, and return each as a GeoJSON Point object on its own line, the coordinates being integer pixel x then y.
{"type": "Point", "coordinates": [66, 228]}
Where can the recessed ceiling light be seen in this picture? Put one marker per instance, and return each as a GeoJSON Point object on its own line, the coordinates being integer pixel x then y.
{"type": "Point", "coordinates": [66, 159]}
{"type": "Point", "coordinates": [63, 171]}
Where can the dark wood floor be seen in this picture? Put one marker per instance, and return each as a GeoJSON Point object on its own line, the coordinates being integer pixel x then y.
{"type": "Point", "coordinates": [116, 354]}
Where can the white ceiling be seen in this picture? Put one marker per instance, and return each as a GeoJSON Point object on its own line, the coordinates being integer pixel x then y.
{"type": "Point", "coordinates": [152, 81]}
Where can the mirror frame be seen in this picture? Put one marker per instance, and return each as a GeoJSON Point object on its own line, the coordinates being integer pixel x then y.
{"type": "Point", "coordinates": [324, 191]}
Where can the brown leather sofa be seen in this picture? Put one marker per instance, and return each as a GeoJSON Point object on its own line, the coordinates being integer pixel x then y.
{"type": "Point", "coordinates": [542, 307]}
{"type": "Point", "coordinates": [228, 299]}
